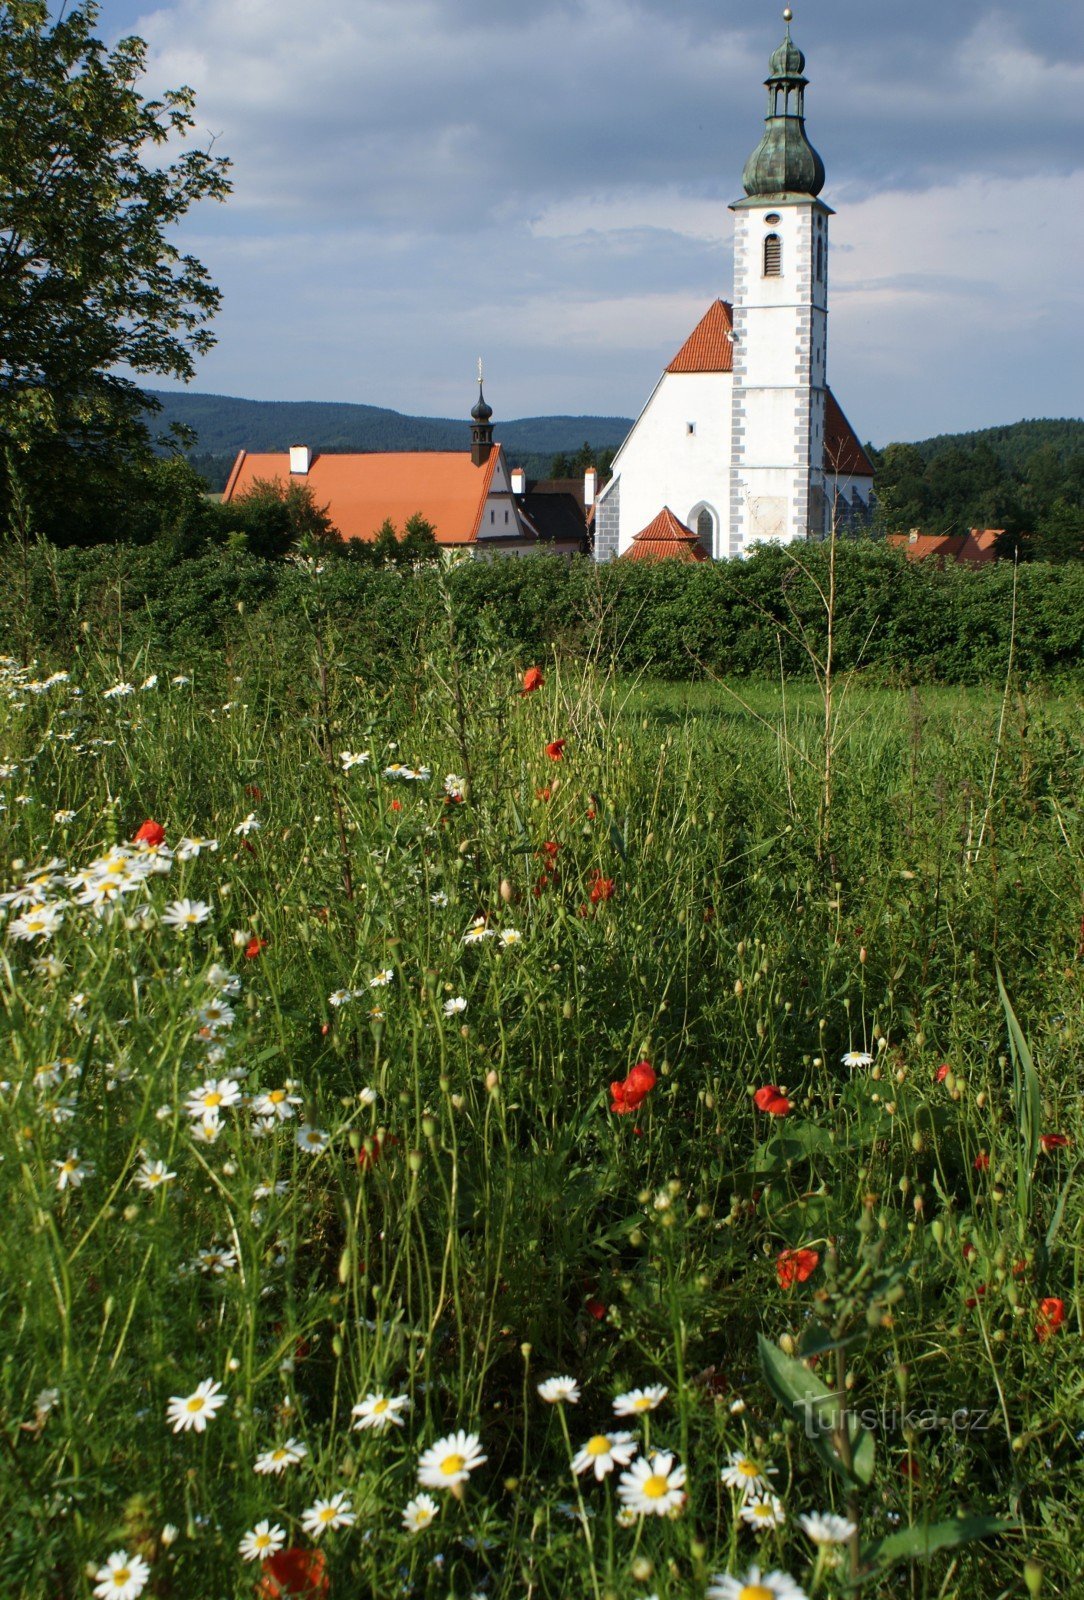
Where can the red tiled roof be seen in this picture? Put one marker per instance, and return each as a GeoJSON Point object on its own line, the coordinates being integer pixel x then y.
{"type": "Point", "coordinates": [360, 491]}
{"type": "Point", "coordinates": [708, 348]}
{"type": "Point", "coordinates": [974, 548]}
{"type": "Point", "coordinates": [665, 539]}
{"type": "Point", "coordinates": [843, 455]}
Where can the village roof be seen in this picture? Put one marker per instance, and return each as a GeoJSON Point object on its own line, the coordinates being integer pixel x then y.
{"type": "Point", "coordinates": [665, 539]}
{"type": "Point", "coordinates": [710, 347]}
{"type": "Point", "coordinates": [974, 548]}
{"type": "Point", "coordinates": [362, 490]}
{"type": "Point", "coordinates": [557, 514]}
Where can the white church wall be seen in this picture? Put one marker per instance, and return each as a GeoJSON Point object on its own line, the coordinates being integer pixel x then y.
{"type": "Point", "coordinates": [662, 462]}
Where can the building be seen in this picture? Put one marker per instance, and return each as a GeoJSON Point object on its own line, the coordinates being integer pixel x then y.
{"type": "Point", "coordinates": [976, 548]}
{"type": "Point", "coordinates": [741, 438]}
{"type": "Point", "coordinates": [466, 495]}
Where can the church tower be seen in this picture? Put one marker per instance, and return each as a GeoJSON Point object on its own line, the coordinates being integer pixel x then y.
{"type": "Point", "coordinates": [777, 482]}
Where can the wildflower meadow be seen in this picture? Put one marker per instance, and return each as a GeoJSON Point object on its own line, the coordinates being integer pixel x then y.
{"type": "Point", "coordinates": [478, 1127]}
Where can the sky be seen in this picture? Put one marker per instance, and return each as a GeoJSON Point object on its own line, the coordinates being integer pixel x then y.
{"type": "Point", "coordinates": [418, 183]}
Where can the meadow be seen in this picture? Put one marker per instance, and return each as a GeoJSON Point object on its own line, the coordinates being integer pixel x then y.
{"type": "Point", "coordinates": [476, 1131]}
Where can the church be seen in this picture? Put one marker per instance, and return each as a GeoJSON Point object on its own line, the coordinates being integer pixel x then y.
{"type": "Point", "coordinates": [741, 440]}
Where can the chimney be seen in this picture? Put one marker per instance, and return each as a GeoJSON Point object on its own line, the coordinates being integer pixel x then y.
{"type": "Point", "coordinates": [519, 481]}
{"type": "Point", "coordinates": [300, 460]}
{"type": "Point", "coordinates": [590, 484]}
{"type": "Point", "coordinates": [912, 537]}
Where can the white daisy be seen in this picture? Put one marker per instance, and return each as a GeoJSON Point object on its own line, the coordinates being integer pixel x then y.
{"type": "Point", "coordinates": [150, 682]}
{"type": "Point", "coordinates": [216, 1014]}
{"type": "Point", "coordinates": [185, 914]}
{"type": "Point", "coordinates": [276, 1461]}
{"type": "Point", "coordinates": [71, 1172]}
{"type": "Point", "coordinates": [438, 898]}
{"type": "Point", "coordinates": [354, 758]}
{"type": "Point", "coordinates": [824, 1527]}
{"type": "Point", "coordinates": [195, 1410]}
{"type": "Point", "coordinates": [456, 1007]}
{"type": "Point", "coordinates": [324, 1514]}
{"type": "Point", "coordinates": [181, 681]}
{"type": "Point", "coordinates": [754, 1586]}
{"type": "Point", "coordinates": [637, 1401]}
{"type": "Point", "coordinates": [119, 691]}
{"type": "Point", "coordinates": [857, 1058]}
{"type": "Point", "coordinates": [276, 1104]}
{"type": "Point", "coordinates": [213, 1096]}
{"type": "Point", "coordinates": [216, 1262]}
{"type": "Point", "coordinates": [478, 931]}
{"type": "Point", "coordinates": [382, 979]}
{"type": "Point", "coordinates": [313, 1141]}
{"type": "Point", "coordinates": [340, 997]}
{"type": "Point", "coordinates": [450, 1461]}
{"type": "Point", "coordinates": [367, 1096]}
{"type": "Point", "coordinates": [264, 1540]}
{"type": "Point", "coordinates": [250, 825]}
{"type": "Point", "coordinates": [63, 817]}
{"type": "Point", "coordinates": [419, 1513]}
{"type": "Point", "coordinates": [379, 1410]}
{"type": "Point", "coordinates": [748, 1476]}
{"type": "Point", "coordinates": [653, 1486]}
{"type": "Point", "coordinates": [153, 1175]}
{"type": "Point", "coordinates": [510, 936]}
{"type": "Point", "coordinates": [766, 1511]}
{"type": "Point", "coordinates": [603, 1452]}
{"type": "Point", "coordinates": [40, 922]}
{"type": "Point", "coordinates": [188, 849]}
{"type": "Point", "coordinates": [123, 1577]}
{"type": "Point", "coordinates": [560, 1390]}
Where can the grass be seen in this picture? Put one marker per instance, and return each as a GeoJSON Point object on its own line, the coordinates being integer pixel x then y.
{"type": "Point", "coordinates": [875, 1291]}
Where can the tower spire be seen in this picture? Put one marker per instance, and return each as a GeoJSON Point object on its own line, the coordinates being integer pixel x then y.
{"type": "Point", "coordinates": [481, 433]}
{"type": "Point", "coordinates": [784, 162]}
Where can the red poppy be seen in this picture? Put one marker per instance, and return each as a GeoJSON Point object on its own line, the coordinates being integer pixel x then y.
{"type": "Point", "coordinates": [590, 813]}
{"type": "Point", "coordinates": [596, 1309]}
{"type": "Point", "coordinates": [373, 1150]}
{"type": "Point", "coordinates": [397, 805]}
{"type": "Point", "coordinates": [1051, 1317]}
{"type": "Point", "coordinates": [1054, 1141]}
{"type": "Point", "coordinates": [601, 888]}
{"type": "Point", "coordinates": [295, 1572]}
{"type": "Point", "coordinates": [630, 1094]}
{"type": "Point", "coordinates": [772, 1100]}
{"type": "Point", "coordinates": [532, 680]}
{"type": "Point", "coordinates": [584, 911]}
{"type": "Point", "coordinates": [981, 1162]}
{"type": "Point", "coordinates": [253, 791]}
{"type": "Point", "coordinates": [556, 749]}
{"type": "Point", "coordinates": [972, 1300]}
{"type": "Point", "coordinates": [543, 794]}
{"type": "Point", "coordinates": [550, 848]}
{"type": "Point", "coordinates": [942, 1072]}
{"type": "Point", "coordinates": [795, 1266]}
{"type": "Point", "coordinates": [254, 946]}
{"type": "Point", "coordinates": [150, 832]}
{"type": "Point", "coordinates": [910, 1468]}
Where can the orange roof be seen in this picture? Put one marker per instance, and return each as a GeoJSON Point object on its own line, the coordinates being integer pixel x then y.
{"type": "Point", "coordinates": [665, 539]}
{"type": "Point", "coordinates": [709, 347]}
{"type": "Point", "coordinates": [360, 491]}
{"type": "Point", "coordinates": [974, 549]}
{"type": "Point", "coordinates": [843, 455]}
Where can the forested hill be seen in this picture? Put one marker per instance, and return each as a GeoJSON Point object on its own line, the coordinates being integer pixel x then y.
{"type": "Point", "coordinates": [223, 425]}
{"type": "Point", "coordinates": [1014, 443]}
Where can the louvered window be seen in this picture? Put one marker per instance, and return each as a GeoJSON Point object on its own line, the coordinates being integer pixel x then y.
{"type": "Point", "coordinates": [773, 256]}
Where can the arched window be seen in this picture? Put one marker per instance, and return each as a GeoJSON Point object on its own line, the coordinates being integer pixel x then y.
{"type": "Point", "coordinates": [703, 522]}
{"type": "Point", "coordinates": [773, 256]}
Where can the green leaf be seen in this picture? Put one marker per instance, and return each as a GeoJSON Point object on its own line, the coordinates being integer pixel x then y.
{"type": "Point", "coordinates": [819, 1411]}
{"type": "Point", "coordinates": [924, 1540]}
{"type": "Point", "coordinates": [1027, 1104]}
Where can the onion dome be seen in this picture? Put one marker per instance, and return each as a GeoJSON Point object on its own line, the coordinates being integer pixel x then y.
{"type": "Point", "coordinates": [481, 412]}
{"type": "Point", "coordinates": [784, 162]}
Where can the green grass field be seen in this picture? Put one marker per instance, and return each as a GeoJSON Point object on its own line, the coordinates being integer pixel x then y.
{"type": "Point", "coordinates": [445, 1040]}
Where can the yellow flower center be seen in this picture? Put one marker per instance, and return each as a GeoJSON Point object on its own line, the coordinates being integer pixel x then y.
{"type": "Point", "coordinates": [755, 1591]}
{"type": "Point", "coordinates": [194, 1403]}
{"type": "Point", "coordinates": [328, 1514]}
{"type": "Point", "coordinates": [379, 1408]}
{"type": "Point", "coordinates": [212, 1099]}
{"type": "Point", "coordinates": [598, 1446]}
{"type": "Point", "coordinates": [643, 1403]}
{"type": "Point", "coordinates": [278, 1455]}
{"type": "Point", "coordinates": [748, 1469]}
{"type": "Point", "coordinates": [262, 1541]}
{"type": "Point", "coordinates": [277, 1096]}
{"type": "Point", "coordinates": [655, 1486]}
{"type": "Point", "coordinates": [121, 1576]}
{"type": "Point", "coordinates": [452, 1464]}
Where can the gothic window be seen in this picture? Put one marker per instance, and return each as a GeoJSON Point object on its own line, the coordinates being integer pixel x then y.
{"type": "Point", "coordinates": [773, 256]}
{"type": "Point", "coordinates": [702, 521]}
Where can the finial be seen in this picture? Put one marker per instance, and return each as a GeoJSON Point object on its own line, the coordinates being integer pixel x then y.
{"type": "Point", "coordinates": [479, 372]}
{"type": "Point", "coordinates": [788, 16]}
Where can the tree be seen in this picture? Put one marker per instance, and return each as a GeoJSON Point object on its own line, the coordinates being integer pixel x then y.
{"type": "Point", "coordinates": [90, 280]}
{"type": "Point", "coordinates": [278, 518]}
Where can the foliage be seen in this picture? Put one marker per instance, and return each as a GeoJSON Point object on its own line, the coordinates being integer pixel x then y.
{"type": "Point", "coordinates": [464, 1215]}
{"type": "Point", "coordinates": [276, 518]}
{"type": "Point", "coordinates": [90, 279]}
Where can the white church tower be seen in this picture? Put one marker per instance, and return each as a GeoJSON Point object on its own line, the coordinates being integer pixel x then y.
{"type": "Point", "coordinates": [777, 460]}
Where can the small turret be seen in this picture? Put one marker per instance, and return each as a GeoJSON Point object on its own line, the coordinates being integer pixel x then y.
{"type": "Point", "coordinates": [784, 162]}
{"type": "Point", "coordinates": [481, 433]}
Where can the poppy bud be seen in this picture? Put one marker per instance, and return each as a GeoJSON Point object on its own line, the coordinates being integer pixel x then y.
{"type": "Point", "coordinates": [507, 892]}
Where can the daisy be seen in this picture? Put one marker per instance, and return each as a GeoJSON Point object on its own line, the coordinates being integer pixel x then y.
{"type": "Point", "coordinates": [653, 1487]}
{"type": "Point", "coordinates": [823, 1527]}
{"type": "Point", "coordinates": [216, 1262]}
{"type": "Point", "coordinates": [378, 1410]}
{"type": "Point", "coordinates": [603, 1452]}
{"type": "Point", "coordinates": [216, 1014]}
{"type": "Point", "coordinates": [340, 997]}
{"type": "Point", "coordinates": [510, 936]}
{"type": "Point", "coordinates": [63, 817]}
{"type": "Point", "coordinates": [282, 1456]}
{"type": "Point", "coordinates": [382, 979]}
{"type": "Point", "coordinates": [212, 1097]}
{"type": "Point", "coordinates": [324, 1514]}
{"type": "Point", "coordinates": [153, 1175]}
{"type": "Point", "coordinates": [857, 1058]}
{"type": "Point", "coordinates": [478, 931]}
{"type": "Point", "coordinates": [70, 1173]}
{"type": "Point", "coordinates": [250, 825]}
{"type": "Point", "coordinates": [455, 787]}
{"type": "Point", "coordinates": [367, 1096]}
{"type": "Point", "coordinates": [222, 981]}
{"type": "Point", "coordinates": [748, 1476]}
{"type": "Point", "coordinates": [564, 1390]}
{"type": "Point", "coordinates": [354, 758]}
{"type": "Point", "coordinates": [419, 1513]}
{"type": "Point", "coordinates": [276, 1104]}
{"type": "Point", "coordinates": [264, 1540]}
{"type": "Point", "coordinates": [311, 1140]}
{"type": "Point", "coordinates": [456, 1007]}
{"type": "Point", "coordinates": [195, 1410]}
{"type": "Point", "coordinates": [188, 849]}
{"type": "Point", "coordinates": [181, 681]}
{"type": "Point", "coordinates": [40, 922]}
{"type": "Point", "coordinates": [185, 914]}
{"type": "Point", "coordinates": [754, 1586]}
{"type": "Point", "coordinates": [119, 691]}
{"type": "Point", "coordinates": [122, 1578]}
{"type": "Point", "coordinates": [640, 1400]}
{"type": "Point", "coordinates": [438, 898]}
{"type": "Point", "coordinates": [765, 1512]}
{"type": "Point", "coordinates": [450, 1461]}
{"type": "Point", "coordinates": [150, 682]}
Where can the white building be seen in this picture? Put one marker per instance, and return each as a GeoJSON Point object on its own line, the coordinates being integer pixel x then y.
{"type": "Point", "coordinates": [741, 438]}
